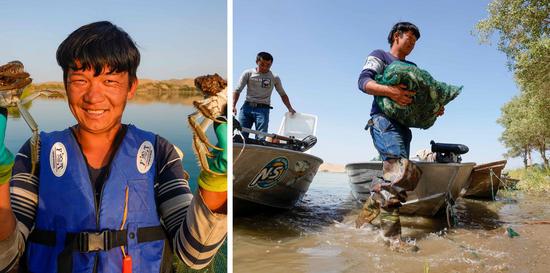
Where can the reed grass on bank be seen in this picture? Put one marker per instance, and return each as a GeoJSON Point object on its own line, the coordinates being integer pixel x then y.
{"type": "Point", "coordinates": [535, 179]}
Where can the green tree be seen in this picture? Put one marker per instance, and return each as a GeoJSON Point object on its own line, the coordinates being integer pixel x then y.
{"type": "Point", "coordinates": [522, 26]}
{"type": "Point", "coordinates": [516, 136]}
{"type": "Point", "coordinates": [523, 30]}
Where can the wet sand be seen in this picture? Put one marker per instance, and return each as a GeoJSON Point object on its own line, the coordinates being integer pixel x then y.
{"type": "Point", "coordinates": [319, 236]}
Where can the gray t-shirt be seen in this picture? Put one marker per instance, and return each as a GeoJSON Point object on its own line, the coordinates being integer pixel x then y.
{"type": "Point", "coordinates": [259, 86]}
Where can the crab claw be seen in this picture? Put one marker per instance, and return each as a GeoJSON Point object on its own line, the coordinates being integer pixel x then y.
{"type": "Point", "coordinates": [199, 129]}
{"type": "Point", "coordinates": [202, 153]}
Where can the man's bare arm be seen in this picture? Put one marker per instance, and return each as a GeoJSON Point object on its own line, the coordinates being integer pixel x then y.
{"type": "Point", "coordinates": [235, 99]}
{"type": "Point", "coordinates": [286, 101]}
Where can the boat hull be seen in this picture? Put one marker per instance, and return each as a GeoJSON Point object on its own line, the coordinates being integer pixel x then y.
{"type": "Point", "coordinates": [437, 183]}
{"type": "Point", "coordinates": [271, 176]}
{"type": "Point", "coordinates": [484, 183]}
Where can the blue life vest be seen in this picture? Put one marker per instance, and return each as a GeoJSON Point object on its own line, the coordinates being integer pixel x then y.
{"type": "Point", "coordinates": [66, 205]}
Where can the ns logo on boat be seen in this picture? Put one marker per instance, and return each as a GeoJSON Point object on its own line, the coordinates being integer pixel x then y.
{"type": "Point", "coordinates": [270, 174]}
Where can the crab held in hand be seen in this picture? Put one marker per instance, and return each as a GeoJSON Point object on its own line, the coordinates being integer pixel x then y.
{"type": "Point", "coordinates": [13, 80]}
{"type": "Point", "coordinates": [209, 109]}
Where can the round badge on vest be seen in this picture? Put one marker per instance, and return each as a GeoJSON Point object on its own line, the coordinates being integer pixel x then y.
{"type": "Point", "coordinates": [58, 159]}
{"type": "Point", "coordinates": [145, 156]}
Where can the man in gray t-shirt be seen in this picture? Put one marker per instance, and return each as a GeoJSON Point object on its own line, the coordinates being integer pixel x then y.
{"type": "Point", "coordinates": [260, 82]}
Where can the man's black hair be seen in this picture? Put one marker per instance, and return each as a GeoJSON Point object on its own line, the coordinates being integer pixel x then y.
{"type": "Point", "coordinates": [401, 28]}
{"type": "Point", "coordinates": [264, 56]}
{"type": "Point", "coordinates": [97, 45]}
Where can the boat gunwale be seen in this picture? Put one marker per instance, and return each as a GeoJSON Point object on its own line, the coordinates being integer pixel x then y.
{"type": "Point", "coordinates": [415, 162]}
{"type": "Point", "coordinates": [276, 149]}
{"type": "Point", "coordinates": [491, 165]}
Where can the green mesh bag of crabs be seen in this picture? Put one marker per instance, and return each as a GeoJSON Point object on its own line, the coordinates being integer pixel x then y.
{"type": "Point", "coordinates": [430, 95]}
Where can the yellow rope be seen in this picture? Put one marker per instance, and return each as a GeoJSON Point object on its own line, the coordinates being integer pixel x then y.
{"type": "Point", "coordinates": [124, 218]}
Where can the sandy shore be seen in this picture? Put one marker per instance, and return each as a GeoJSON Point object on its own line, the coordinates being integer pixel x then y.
{"type": "Point", "coordinates": [332, 168]}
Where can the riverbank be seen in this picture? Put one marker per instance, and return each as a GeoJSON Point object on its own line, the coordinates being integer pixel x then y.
{"type": "Point", "coordinates": [332, 168]}
{"type": "Point", "coordinates": [173, 91]}
{"type": "Point", "coordinates": [534, 179]}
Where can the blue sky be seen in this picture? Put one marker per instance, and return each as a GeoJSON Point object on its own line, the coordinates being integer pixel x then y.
{"type": "Point", "coordinates": [319, 49]}
{"type": "Point", "coordinates": [177, 39]}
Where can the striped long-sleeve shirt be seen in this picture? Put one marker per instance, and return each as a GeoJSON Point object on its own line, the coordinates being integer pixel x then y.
{"type": "Point", "coordinates": [375, 64]}
{"type": "Point", "coordinates": [194, 231]}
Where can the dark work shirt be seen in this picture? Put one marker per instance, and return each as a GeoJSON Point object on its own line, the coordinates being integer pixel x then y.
{"type": "Point", "coordinates": [98, 176]}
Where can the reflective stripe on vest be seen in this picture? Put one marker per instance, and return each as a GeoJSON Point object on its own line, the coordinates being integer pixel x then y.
{"type": "Point", "coordinates": [66, 203]}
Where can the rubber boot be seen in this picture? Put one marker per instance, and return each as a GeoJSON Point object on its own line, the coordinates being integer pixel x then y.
{"type": "Point", "coordinates": [371, 209]}
{"type": "Point", "coordinates": [379, 198]}
{"type": "Point", "coordinates": [389, 222]}
{"type": "Point", "coordinates": [390, 226]}
{"type": "Point", "coordinates": [402, 174]}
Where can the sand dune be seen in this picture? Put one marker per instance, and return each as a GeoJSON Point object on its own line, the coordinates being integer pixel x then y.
{"type": "Point", "coordinates": [332, 168]}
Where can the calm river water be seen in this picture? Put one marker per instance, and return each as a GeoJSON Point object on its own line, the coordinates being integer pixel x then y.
{"type": "Point", "coordinates": [319, 235]}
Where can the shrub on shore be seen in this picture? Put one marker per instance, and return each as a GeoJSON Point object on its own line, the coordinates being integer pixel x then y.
{"type": "Point", "coordinates": [532, 179]}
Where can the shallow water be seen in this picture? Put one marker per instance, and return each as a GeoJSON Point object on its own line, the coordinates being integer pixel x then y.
{"type": "Point", "coordinates": [319, 235]}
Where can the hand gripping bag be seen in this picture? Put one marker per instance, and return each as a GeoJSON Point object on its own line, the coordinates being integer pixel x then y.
{"type": "Point", "coordinates": [430, 95]}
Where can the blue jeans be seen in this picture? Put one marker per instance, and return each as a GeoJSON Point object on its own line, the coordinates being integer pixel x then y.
{"type": "Point", "coordinates": [391, 139]}
{"type": "Point", "coordinates": [254, 115]}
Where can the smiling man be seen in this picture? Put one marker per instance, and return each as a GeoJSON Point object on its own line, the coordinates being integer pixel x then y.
{"type": "Point", "coordinates": [106, 196]}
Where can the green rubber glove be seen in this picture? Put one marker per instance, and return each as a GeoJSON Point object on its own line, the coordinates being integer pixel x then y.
{"type": "Point", "coordinates": [6, 157]}
{"type": "Point", "coordinates": [217, 183]}
{"type": "Point", "coordinates": [219, 162]}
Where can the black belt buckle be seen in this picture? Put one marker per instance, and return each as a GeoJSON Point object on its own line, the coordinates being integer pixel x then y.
{"type": "Point", "coordinates": [258, 105]}
{"type": "Point", "coordinates": [91, 241]}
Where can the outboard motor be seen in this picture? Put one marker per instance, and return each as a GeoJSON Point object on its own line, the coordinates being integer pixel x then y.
{"type": "Point", "coordinates": [448, 153]}
{"type": "Point", "coordinates": [307, 143]}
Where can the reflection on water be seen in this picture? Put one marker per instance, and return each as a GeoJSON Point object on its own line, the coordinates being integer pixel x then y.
{"type": "Point", "coordinates": [319, 235]}
{"type": "Point", "coordinates": [320, 207]}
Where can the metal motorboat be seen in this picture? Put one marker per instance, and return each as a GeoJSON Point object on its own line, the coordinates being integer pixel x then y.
{"type": "Point", "coordinates": [275, 172]}
{"type": "Point", "coordinates": [485, 180]}
{"type": "Point", "coordinates": [271, 176]}
{"type": "Point", "coordinates": [439, 183]}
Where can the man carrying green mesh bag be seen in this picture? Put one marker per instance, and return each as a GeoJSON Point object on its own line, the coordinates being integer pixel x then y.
{"type": "Point", "coordinates": [405, 96]}
{"type": "Point", "coordinates": [430, 97]}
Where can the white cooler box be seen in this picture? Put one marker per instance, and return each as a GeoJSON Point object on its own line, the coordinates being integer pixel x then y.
{"type": "Point", "coordinates": [299, 125]}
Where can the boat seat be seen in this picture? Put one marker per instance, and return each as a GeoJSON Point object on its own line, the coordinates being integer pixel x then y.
{"type": "Point", "coordinates": [447, 152]}
{"type": "Point", "coordinates": [449, 148]}
{"type": "Point", "coordinates": [238, 139]}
